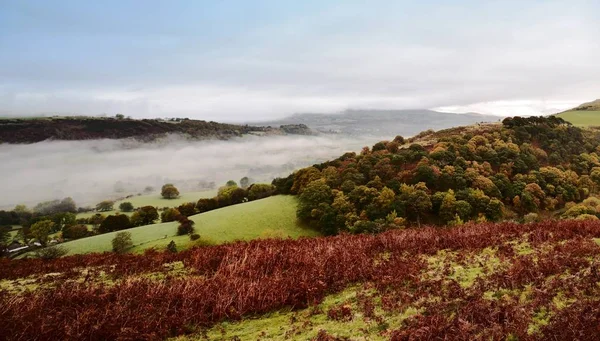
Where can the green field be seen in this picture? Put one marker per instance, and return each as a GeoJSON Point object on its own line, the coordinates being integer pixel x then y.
{"type": "Point", "coordinates": [581, 118]}
{"type": "Point", "coordinates": [155, 200]}
{"type": "Point", "coordinates": [271, 217]}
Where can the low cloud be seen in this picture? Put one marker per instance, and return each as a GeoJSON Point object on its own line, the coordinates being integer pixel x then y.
{"type": "Point", "coordinates": [93, 170]}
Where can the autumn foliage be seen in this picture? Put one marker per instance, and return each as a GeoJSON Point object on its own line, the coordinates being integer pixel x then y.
{"type": "Point", "coordinates": [248, 278]}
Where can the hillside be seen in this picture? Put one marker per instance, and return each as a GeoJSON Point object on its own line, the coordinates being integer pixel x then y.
{"type": "Point", "coordinates": [382, 122]}
{"type": "Point", "coordinates": [522, 169]}
{"type": "Point", "coordinates": [584, 115]}
{"type": "Point", "coordinates": [490, 281]}
{"type": "Point", "coordinates": [86, 128]}
{"type": "Point", "coordinates": [269, 217]}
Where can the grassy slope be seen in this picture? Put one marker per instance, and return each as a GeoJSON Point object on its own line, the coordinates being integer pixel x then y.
{"type": "Point", "coordinates": [270, 217]}
{"type": "Point", "coordinates": [581, 118]}
{"type": "Point", "coordinates": [155, 200]}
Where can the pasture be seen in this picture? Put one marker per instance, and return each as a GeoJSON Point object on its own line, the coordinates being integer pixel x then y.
{"type": "Point", "coordinates": [581, 118]}
{"type": "Point", "coordinates": [270, 217]}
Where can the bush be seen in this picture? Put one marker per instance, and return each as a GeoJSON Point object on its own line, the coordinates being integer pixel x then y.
{"type": "Point", "coordinates": [194, 236]}
{"type": "Point", "coordinates": [186, 226]}
{"type": "Point", "coordinates": [122, 242]}
{"type": "Point", "coordinates": [51, 252]}
{"type": "Point", "coordinates": [172, 247]}
{"type": "Point", "coordinates": [126, 206]}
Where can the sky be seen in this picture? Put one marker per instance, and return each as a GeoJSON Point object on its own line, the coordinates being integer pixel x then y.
{"type": "Point", "coordinates": [258, 60]}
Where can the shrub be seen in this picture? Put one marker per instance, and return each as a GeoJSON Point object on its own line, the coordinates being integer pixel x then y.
{"type": "Point", "coordinates": [51, 252]}
{"type": "Point", "coordinates": [186, 226]}
{"type": "Point", "coordinates": [122, 242]}
{"type": "Point", "coordinates": [172, 247]}
{"type": "Point", "coordinates": [194, 236]}
{"type": "Point", "coordinates": [126, 206]}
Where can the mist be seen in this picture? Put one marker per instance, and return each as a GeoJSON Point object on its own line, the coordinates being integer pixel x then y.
{"type": "Point", "coordinates": [94, 170]}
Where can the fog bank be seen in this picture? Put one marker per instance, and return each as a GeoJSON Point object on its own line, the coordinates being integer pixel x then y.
{"type": "Point", "coordinates": [93, 170]}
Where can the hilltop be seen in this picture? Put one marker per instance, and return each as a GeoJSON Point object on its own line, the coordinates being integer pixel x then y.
{"type": "Point", "coordinates": [382, 122]}
{"type": "Point", "coordinates": [86, 128]}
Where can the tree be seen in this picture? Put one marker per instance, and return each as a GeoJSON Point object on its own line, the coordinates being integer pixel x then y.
{"type": "Point", "coordinates": [259, 191]}
{"type": "Point", "coordinates": [96, 220]}
{"type": "Point", "coordinates": [170, 214]}
{"type": "Point", "coordinates": [75, 231]}
{"type": "Point", "coordinates": [105, 205]}
{"type": "Point", "coordinates": [187, 209]}
{"type": "Point", "coordinates": [41, 230]}
{"type": "Point", "coordinates": [4, 239]}
{"type": "Point", "coordinates": [126, 206]}
{"type": "Point", "coordinates": [114, 223]}
{"type": "Point", "coordinates": [172, 247]}
{"type": "Point", "coordinates": [231, 183]}
{"type": "Point", "coordinates": [206, 204]}
{"type": "Point", "coordinates": [416, 199]}
{"type": "Point", "coordinates": [315, 193]}
{"type": "Point", "coordinates": [63, 219]}
{"type": "Point", "coordinates": [169, 191]}
{"type": "Point", "coordinates": [122, 242]}
{"type": "Point", "coordinates": [186, 226]}
{"type": "Point", "coordinates": [245, 182]}
{"type": "Point", "coordinates": [145, 215]}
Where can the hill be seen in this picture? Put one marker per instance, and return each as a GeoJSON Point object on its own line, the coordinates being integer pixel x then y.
{"type": "Point", "coordinates": [86, 128]}
{"type": "Point", "coordinates": [270, 217]}
{"type": "Point", "coordinates": [586, 114]}
{"type": "Point", "coordinates": [524, 169]}
{"type": "Point", "coordinates": [382, 122]}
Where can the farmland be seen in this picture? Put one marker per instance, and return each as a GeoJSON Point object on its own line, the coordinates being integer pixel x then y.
{"type": "Point", "coordinates": [581, 118]}
{"type": "Point", "coordinates": [497, 281]}
{"type": "Point", "coordinates": [270, 217]}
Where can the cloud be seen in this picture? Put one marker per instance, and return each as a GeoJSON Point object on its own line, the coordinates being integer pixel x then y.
{"type": "Point", "coordinates": [312, 57]}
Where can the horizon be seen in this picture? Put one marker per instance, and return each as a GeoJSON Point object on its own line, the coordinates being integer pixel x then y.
{"type": "Point", "coordinates": [233, 61]}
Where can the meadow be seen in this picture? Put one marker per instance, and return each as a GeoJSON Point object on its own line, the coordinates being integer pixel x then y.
{"type": "Point", "coordinates": [270, 217]}
{"type": "Point", "coordinates": [503, 281]}
{"type": "Point", "coordinates": [581, 118]}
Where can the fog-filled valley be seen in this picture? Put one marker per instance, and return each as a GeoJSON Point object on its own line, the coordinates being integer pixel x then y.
{"type": "Point", "coordinates": [93, 170]}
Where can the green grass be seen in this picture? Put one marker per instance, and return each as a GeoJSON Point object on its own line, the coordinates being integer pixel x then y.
{"type": "Point", "coordinates": [305, 324]}
{"type": "Point", "coordinates": [270, 217]}
{"type": "Point", "coordinates": [581, 118]}
{"type": "Point", "coordinates": [155, 200]}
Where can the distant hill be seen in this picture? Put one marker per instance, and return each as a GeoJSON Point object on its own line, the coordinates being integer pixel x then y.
{"type": "Point", "coordinates": [28, 130]}
{"type": "Point", "coordinates": [584, 115]}
{"type": "Point", "coordinates": [382, 123]}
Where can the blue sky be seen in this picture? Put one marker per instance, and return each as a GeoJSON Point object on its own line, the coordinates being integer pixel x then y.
{"type": "Point", "coordinates": [252, 60]}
